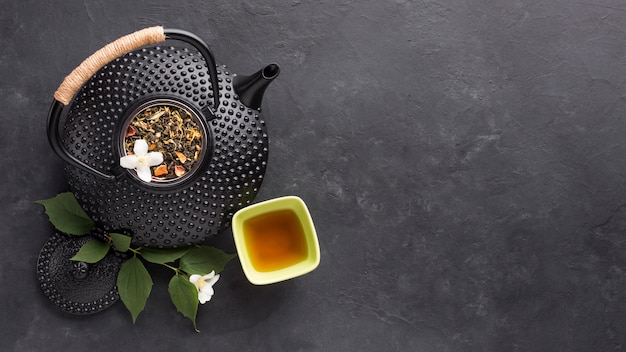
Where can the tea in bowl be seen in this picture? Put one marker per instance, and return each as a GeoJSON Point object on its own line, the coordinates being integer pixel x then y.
{"type": "Point", "coordinates": [275, 240]}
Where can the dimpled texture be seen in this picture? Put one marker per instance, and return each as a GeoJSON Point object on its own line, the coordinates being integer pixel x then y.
{"type": "Point", "coordinates": [77, 287]}
{"type": "Point", "coordinates": [180, 216]}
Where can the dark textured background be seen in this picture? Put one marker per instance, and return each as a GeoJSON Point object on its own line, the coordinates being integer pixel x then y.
{"type": "Point", "coordinates": [463, 162]}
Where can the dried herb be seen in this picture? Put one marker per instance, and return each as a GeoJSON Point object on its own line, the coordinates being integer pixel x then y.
{"type": "Point", "coordinates": [173, 132]}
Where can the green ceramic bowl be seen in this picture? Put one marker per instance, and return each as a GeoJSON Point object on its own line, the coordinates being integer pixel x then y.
{"type": "Point", "coordinates": [275, 240]}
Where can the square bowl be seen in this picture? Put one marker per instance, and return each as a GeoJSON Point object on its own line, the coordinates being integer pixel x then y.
{"type": "Point", "coordinates": [275, 240]}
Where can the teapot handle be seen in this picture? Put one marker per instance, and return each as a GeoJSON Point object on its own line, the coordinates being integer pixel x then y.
{"type": "Point", "coordinates": [77, 78]}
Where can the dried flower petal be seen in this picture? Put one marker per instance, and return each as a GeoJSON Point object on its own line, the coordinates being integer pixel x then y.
{"type": "Point", "coordinates": [181, 157]}
{"type": "Point", "coordinates": [179, 170]}
{"type": "Point", "coordinates": [161, 170]}
{"type": "Point", "coordinates": [130, 131]}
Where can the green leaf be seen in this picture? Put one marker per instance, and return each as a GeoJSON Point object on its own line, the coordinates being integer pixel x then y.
{"type": "Point", "coordinates": [66, 214]}
{"type": "Point", "coordinates": [121, 242]}
{"type": "Point", "coordinates": [184, 295]}
{"type": "Point", "coordinates": [162, 256]}
{"type": "Point", "coordinates": [92, 251]}
{"type": "Point", "coordinates": [134, 285]}
{"type": "Point", "coordinates": [204, 259]}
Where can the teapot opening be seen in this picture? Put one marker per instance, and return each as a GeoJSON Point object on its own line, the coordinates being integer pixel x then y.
{"type": "Point", "coordinates": [270, 71]}
{"type": "Point", "coordinates": [163, 143]}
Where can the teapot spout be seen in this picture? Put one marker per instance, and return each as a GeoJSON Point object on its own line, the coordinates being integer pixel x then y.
{"type": "Point", "coordinates": [251, 88]}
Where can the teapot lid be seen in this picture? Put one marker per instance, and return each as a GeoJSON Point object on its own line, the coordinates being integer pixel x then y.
{"type": "Point", "coordinates": [77, 287]}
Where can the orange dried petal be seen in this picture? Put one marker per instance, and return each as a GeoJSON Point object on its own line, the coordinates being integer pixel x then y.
{"type": "Point", "coordinates": [152, 146]}
{"type": "Point", "coordinates": [161, 170]}
{"type": "Point", "coordinates": [179, 170]}
{"type": "Point", "coordinates": [181, 157]}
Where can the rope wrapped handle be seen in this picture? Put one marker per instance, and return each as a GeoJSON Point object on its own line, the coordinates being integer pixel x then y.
{"type": "Point", "coordinates": [72, 82]}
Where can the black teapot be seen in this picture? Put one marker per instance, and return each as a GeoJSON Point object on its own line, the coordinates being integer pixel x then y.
{"type": "Point", "coordinates": [171, 69]}
{"type": "Point", "coordinates": [128, 84]}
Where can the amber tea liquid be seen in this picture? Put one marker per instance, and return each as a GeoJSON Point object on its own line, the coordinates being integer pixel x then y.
{"type": "Point", "coordinates": [275, 240]}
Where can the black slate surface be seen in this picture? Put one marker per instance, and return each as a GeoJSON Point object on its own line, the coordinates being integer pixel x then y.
{"type": "Point", "coordinates": [463, 162]}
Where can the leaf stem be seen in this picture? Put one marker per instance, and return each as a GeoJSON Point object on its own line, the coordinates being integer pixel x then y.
{"type": "Point", "coordinates": [138, 251]}
{"type": "Point", "coordinates": [173, 268]}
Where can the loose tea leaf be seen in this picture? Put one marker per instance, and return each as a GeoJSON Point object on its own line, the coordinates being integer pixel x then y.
{"type": "Point", "coordinates": [173, 132]}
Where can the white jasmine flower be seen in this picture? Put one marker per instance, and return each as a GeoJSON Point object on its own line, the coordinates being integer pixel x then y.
{"type": "Point", "coordinates": [204, 284]}
{"type": "Point", "coordinates": [141, 160]}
